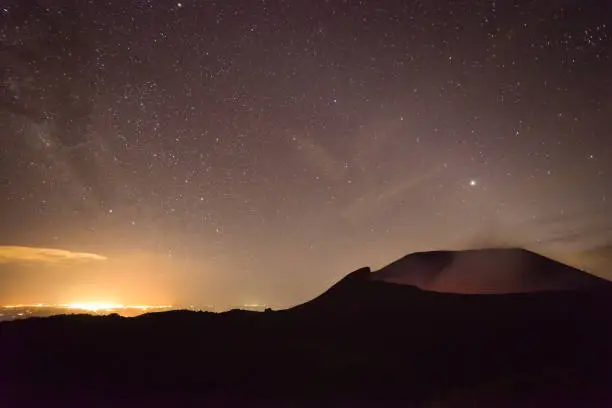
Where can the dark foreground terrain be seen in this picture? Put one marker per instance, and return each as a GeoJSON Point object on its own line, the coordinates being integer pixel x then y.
{"type": "Point", "coordinates": [363, 342]}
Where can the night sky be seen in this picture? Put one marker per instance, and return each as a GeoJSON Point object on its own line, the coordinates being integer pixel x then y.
{"type": "Point", "coordinates": [236, 152]}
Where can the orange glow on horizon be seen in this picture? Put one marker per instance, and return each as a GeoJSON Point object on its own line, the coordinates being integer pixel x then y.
{"type": "Point", "coordinates": [91, 306]}
{"type": "Point", "coordinates": [108, 306]}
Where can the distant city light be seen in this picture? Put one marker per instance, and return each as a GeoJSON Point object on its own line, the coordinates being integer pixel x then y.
{"type": "Point", "coordinates": [89, 306]}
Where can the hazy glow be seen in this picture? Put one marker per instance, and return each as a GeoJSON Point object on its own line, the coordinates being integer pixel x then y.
{"type": "Point", "coordinates": [91, 306]}
{"type": "Point", "coordinates": [95, 306]}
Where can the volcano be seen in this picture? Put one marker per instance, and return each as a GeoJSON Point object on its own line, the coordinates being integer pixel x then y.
{"type": "Point", "coordinates": [487, 271]}
{"type": "Point", "coordinates": [467, 316]}
{"type": "Point", "coordinates": [491, 275]}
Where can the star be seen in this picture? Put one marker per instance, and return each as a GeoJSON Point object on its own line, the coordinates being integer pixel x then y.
{"type": "Point", "coordinates": [245, 130]}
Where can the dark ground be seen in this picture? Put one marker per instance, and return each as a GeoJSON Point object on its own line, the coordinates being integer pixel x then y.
{"type": "Point", "coordinates": [361, 343]}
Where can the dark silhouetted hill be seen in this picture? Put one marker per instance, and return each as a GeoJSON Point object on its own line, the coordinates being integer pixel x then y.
{"type": "Point", "coordinates": [364, 342]}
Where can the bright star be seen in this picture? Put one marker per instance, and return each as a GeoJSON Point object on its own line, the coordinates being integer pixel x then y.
{"type": "Point", "coordinates": [473, 183]}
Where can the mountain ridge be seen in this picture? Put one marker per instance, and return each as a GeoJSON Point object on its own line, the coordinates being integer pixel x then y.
{"type": "Point", "coordinates": [363, 339]}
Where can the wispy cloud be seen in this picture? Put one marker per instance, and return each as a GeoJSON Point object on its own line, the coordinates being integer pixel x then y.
{"type": "Point", "coordinates": [9, 253]}
{"type": "Point", "coordinates": [319, 158]}
{"type": "Point", "coordinates": [377, 198]}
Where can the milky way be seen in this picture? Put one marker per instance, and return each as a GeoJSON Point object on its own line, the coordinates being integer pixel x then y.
{"type": "Point", "coordinates": [256, 151]}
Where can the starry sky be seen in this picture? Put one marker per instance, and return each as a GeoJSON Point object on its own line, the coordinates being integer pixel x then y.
{"type": "Point", "coordinates": [238, 151]}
